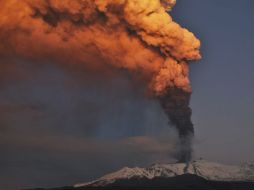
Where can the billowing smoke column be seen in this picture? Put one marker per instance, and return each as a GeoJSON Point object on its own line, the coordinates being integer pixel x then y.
{"type": "Point", "coordinates": [136, 35]}
{"type": "Point", "coordinates": [175, 102]}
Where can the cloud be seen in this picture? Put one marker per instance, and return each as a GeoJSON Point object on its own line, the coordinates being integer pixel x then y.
{"type": "Point", "coordinates": [138, 36]}
{"type": "Point", "coordinates": [43, 141]}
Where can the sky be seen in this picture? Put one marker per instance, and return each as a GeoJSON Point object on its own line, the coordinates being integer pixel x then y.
{"type": "Point", "coordinates": [59, 127]}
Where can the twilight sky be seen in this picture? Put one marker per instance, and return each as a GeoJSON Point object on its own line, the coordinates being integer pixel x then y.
{"type": "Point", "coordinates": [58, 128]}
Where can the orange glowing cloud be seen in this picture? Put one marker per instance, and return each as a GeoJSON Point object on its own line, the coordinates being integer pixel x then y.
{"type": "Point", "coordinates": [137, 35]}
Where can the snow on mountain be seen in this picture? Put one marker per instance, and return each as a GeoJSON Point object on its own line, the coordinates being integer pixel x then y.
{"type": "Point", "coordinates": [202, 168]}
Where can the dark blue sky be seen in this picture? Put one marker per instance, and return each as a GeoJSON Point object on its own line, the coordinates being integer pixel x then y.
{"type": "Point", "coordinates": [223, 89]}
{"type": "Point", "coordinates": [58, 128]}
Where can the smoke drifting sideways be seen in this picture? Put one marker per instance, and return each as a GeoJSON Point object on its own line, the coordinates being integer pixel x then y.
{"type": "Point", "coordinates": [135, 35]}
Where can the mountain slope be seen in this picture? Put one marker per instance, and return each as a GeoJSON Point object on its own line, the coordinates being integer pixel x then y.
{"type": "Point", "coordinates": [201, 168]}
{"type": "Point", "coordinates": [197, 175]}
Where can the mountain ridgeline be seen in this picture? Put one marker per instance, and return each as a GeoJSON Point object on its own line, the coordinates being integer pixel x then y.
{"type": "Point", "coordinates": [197, 175]}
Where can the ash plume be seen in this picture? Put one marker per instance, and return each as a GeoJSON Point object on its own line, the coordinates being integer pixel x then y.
{"type": "Point", "coordinates": [136, 35]}
{"type": "Point", "coordinates": [175, 103]}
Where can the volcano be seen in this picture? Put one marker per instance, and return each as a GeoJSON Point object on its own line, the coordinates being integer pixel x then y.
{"type": "Point", "coordinates": [195, 175]}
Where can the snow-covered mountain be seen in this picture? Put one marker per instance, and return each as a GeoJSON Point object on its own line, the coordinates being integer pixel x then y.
{"type": "Point", "coordinates": [201, 168]}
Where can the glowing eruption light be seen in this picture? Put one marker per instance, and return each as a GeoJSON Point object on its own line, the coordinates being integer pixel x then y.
{"type": "Point", "coordinates": [137, 35]}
